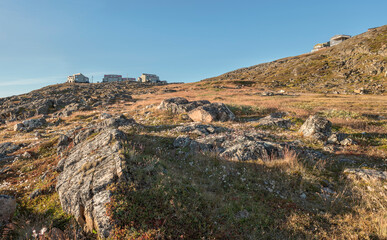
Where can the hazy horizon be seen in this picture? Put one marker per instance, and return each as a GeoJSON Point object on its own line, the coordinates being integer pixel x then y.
{"type": "Point", "coordinates": [42, 42]}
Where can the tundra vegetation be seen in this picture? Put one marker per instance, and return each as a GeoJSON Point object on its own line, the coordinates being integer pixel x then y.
{"type": "Point", "coordinates": [263, 164]}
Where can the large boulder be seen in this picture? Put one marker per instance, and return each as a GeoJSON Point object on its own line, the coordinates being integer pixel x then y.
{"type": "Point", "coordinates": [317, 127]}
{"type": "Point", "coordinates": [211, 112]}
{"type": "Point", "coordinates": [7, 209]}
{"type": "Point", "coordinates": [90, 167]}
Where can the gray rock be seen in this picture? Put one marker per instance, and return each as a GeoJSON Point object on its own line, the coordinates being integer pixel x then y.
{"type": "Point", "coordinates": [336, 138]}
{"type": "Point", "coordinates": [119, 121]}
{"type": "Point", "coordinates": [63, 142]}
{"type": "Point", "coordinates": [29, 125]}
{"type": "Point", "coordinates": [26, 155]}
{"type": "Point", "coordinates": [18, 127]}
{"type": "Point", "coordinates": [36, 193]}
{"type": "Point", "coordinates": [8, 208]}
{"type": "Point", "coordinates": [105, 116]}
{"type": "Point", "coordinates": [202, 110]}
{"type": "Point", "coordinates": [211, 112]}
{"type": "Point", "coordinates": [181, 141]}
{"type": "Point", "coordinates": [366, 174]}
{"type": "Point", "coordinates": [89, 169]}
{"type": "Point", "coordinates": [8, 147]}
{"type": "Point", "coordinates": [317, 127]}
{"type": "Point", "coordinates": [274, 121]}
{"type": "Point", "coordinates": [233, 146]}
{"type": "Point", "coordinates": [199, 129]}
{"type": "Point", "coordinates": [347, 142]}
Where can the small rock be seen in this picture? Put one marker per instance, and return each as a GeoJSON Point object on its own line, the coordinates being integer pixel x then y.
{"type": "Point", "coordinates": [8, 207]}
{"type": "Point", "coordinates": [18, 127]}
{"type": "Point", "coordinates": [105, 116]}
{"type": "Point", "coordinates": [242, 214]}
{"type": "Point", "coordinates": [347, 142]}
{"type": "Point", "coordinates": [26, 155]}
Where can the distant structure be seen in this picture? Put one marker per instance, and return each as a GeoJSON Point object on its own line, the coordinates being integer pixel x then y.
{"type": "Point", "coordinates": [129, 79]}
{"type": "Point", "coordinates": [320, 46]}
{"type": "Point", "coordinates": [338, 39]}
{"type": "Point", "coordinates": [77, 78]}
{"type": "Point", "coordinates": [149, 78]}
{"type": "Point", "coordinates": [112, 78]}
{"type": "Point", "coordinates": [333, 41]}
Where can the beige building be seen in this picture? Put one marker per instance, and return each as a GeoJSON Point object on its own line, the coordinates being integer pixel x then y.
{"type": "Point", "coordinates": [112, 78]}
{"type": "Point", "coordinates": [338, 39]}
{"type": "Point", "coordinates": [151, 78]}
{"type": "Point", "coordinates": [77, 78]}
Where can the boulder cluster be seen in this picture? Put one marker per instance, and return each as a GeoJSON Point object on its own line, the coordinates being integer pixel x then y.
{"type": "Point", "coordinates": [320, 128]}
{"type": "Point", "coordinates": [198, 111]}
{"type": "Point", "coordinates": [66, 98]}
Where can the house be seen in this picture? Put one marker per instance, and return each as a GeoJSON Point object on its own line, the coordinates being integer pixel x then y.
{"type": "Point", "coordinates": [333, 41]}
{"type": "Point", "coordinates": [112, 78]}
{"type": "Point", "coordinates": [320, 46]}
{"type": "Point", "coordinates": [148, 78]}
{"type": "Point", "coordinates": [77, 78]}
{"type": "Point", "coordinates": [338, 39]}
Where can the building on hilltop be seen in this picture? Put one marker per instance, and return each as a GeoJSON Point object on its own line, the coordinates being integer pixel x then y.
{"type": "Point", "coordinates": [338, 39]}
{"type": "Point", "coordinates": [333, 41]}
{"type": "Point", "coordinates": [320, 46]}
{"type": "Point", "coordinates": [129, 79]}
{"type": "Point", "coordinates": [112, 78]}
{"type": "Point", "coordinates": [77, 78]}
{"type": "Point", "coordinates": [149, 78]}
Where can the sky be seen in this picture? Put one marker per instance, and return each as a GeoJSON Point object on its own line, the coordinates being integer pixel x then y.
{"type": "Point", "coordinates": [44, 41]}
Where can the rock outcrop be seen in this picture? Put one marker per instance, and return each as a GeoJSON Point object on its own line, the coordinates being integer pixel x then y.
{"type": "Point", "coordinates": [231, 145]}
{"type": "Point", "coordinates": [366, 175]}
{"type": "Point", "coordinates": [29, 125]}
{"type": "Point", "coordinates": [95, 162]}
{"type": "Point", "coordinates": [8, 147]}
{"type": "Point", "coordinates": [64, 99]}
{"type": "Point", "coordinates": [199, 111]}
{"type": "Point", "coordinates": [317, 127]}
{"type": "Point", "coordinates": [273, 120]}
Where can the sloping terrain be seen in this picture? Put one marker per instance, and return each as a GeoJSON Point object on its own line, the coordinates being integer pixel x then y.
{"type": "Point", "coordinates": [358, 64]}
{"type": "Point", "coordinates": [117, 161]}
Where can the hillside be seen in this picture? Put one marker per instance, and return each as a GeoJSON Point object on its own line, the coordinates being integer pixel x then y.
{"type": "Point", "coordinates": [184, 161]}
{"type": "Point", "coordinates": [355, 64]}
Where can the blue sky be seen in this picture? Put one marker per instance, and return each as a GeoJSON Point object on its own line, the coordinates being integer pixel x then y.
{"type": "Point", "coordinates": [44, 41]}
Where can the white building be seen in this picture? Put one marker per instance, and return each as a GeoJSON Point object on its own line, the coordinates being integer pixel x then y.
{"type": "Point", "coordinates": [338, 39]}
{"type": "Point", "coordinates": [112, 78]}
{"type": "Point", "coordinates": [152, 78]}
{"type": "Point", "coordinates": [77, 78]}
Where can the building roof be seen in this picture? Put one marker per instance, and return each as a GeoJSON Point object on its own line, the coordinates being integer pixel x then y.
{"type": "Point", "coordinates": [340, 36]}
